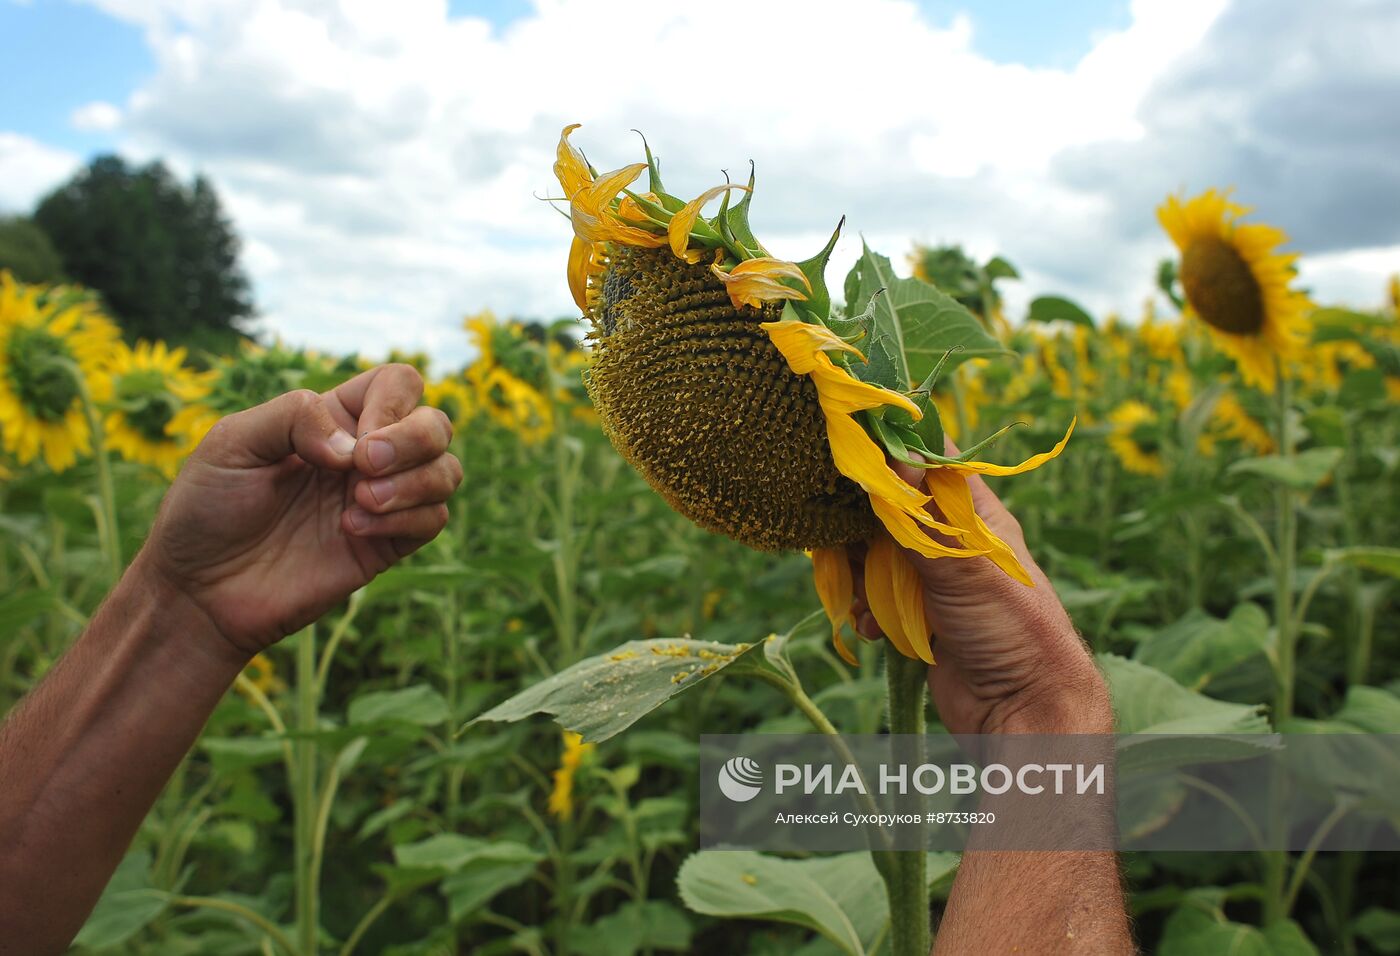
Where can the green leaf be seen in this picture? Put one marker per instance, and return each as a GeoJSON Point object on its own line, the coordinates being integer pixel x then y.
{"type": "Point", "coordinates": [127, 905]}
{"type": "Point", "coordinates": [229, 754]}
{"type": "Point", "coordinates": [1198, 647]}
{"type": "Point", "coordinates": [1380, 928]}
{"type": "Point", "coordinates": [1054, 308]}
{"type": "Point", "coordinates": [497, 867]}
{"type": "Point", "coordinates": [435, 579]}
{"type": "Point", "coordinates": [1190, 728]}
{"type": "Point", "coordinates": [633, 927]}
{"type": "Point", "coordinates": [474, 870]}
{"type": "Point", "coordinates": [809, 893]}
{"type": "Point", "coordinates": [419, 704]}
{"type": "Point", "coordinates": [1372, 710]}
{"type": "Point", "coordinates": [1381, 560]}
{"type": "Point", "coordinates": [914, 322]}
{"type": "Point", "coordinates": [1196, 931]}
{"type": "Point", "coordinates": [999, 268]}
{"type": "Point", "coordinates": [602, 696]}
{"type": "Point", "coordinates": [1304, 471]}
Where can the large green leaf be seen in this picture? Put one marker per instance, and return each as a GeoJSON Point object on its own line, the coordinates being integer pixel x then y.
{"type": "Point", "coordinates": [127, 904]}
{"type": "Point", "coordinates": [1199, 930]}
{"type": "Point", "coordinates": [1380, 928]}
{"type": "Point", "coordinates": [928, 323]}
{"type": "Point", "coordinates": [840, 897]}
{"type": "Point", "coordinates": [604, 695]}
{"type": "Point", "coordinates": [472, 870]}
{"type": "Point", "coordinates": [1304, 471]}
{"type": "Point", "coordinates": [419, 704]}
{"type": "Point", "coordinates": [1380, 560]}
{"type": "Point", "coordinates": [1197, 647]}
{"type": "Point", "coordinates": [635, 926]}
{"type": "Point", "coordinates": [1175, 726]}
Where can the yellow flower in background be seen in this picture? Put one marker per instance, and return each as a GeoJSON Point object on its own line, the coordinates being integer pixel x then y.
{"type": "Point", "coordinates": [53, 344]}
{"type": "Point", "coordinates": [150, 385]}
{"type": "Point", "coordinates": [513, 403]}
{"type": "Point", "coordinates": [1237, 284]}
{"type": "Point", "coordinates": [561, 798]}
{"type": "Point", "coordinates": [1231, 421]}
{"type": "Point", "coordinates": [452, 397]}
{"type": "Point", "coordinates": [1133, 422]}
{"type": "Point", "coordinates": [261, 674]}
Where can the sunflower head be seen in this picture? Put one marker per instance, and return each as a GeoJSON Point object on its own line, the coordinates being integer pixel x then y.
{"type": "Point", "coordinates": [150, 387]}
{"type": "Point", "coordinates": [1237, 283]}
{"type": "Point", "coordinates": [1135, 440]}
{"type": "Point", "coordinates": [53, 347]}
{"type": "Point", "coordinates": [722, 375]}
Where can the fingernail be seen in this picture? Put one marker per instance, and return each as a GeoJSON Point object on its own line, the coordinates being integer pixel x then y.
{"type": "Point", "coordinates": [381, 454]}
{"type": "Point", "coordinates": [358, 518]}
{"type": "Point", "coordinates": [342, 442]}
{"type": "Point", "coordinates": [382, 489]}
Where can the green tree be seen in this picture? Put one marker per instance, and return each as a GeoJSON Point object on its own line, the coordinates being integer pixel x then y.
{"type": "Point", "coordinates": [163, 255]}
{"type": "Point", "coordinates": [25, 250]}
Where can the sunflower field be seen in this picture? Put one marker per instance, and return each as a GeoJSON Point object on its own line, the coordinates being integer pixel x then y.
{"type": "Point", "coordinates": [1221, 525]}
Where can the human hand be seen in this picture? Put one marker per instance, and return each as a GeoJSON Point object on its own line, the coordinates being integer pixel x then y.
{"type": "Point", "coordinates": [280, 513]}
{"type": "Point", "coordinates": [1009, 659]}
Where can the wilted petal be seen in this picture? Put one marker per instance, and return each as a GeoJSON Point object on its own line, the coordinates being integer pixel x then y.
{"type": "Point", "coordinates": [755, 281]}
{"type": "Point", "coordinates": [1031, 463]}
{"type": "Point", "coordinates": [684, 221]}
{"type": "Point", "coordinates": [831, 573]}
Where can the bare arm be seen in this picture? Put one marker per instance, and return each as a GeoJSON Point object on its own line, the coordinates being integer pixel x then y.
{"type": "Point", "coordinates": [85, 755]}
{"type": "Point", "coordinates": [277, 517]}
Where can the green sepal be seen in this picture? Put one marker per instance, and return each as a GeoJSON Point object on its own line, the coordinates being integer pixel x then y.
{"type": "Point", "coordinates": [737, 219]}
{"type": "Point", "coordinates": [661, 212]}
{"type": "Point", "coordinates": [932, 379]}
{"type": "Point", "coordinates": [653, 167]}
{"type": "Point", "coordinates": [819, 302]}
{"type": "Point", "coordinates": [850, 326]}
{"type": "Point", "coordinates": [930, 427]}
{"type": "Point", "coordinates": [721, 224]}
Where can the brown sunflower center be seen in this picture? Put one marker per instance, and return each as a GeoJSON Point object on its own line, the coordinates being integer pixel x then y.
{"type": "Point", "coordinates": [1221, 287]}
{"type": "Point", "coordinates": [694, 394]}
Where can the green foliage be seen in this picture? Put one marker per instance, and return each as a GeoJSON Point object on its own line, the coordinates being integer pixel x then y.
{"type": "Point", "coordinates": [162, 254]}
{"type": "Point", "coordinates": [25, 250]}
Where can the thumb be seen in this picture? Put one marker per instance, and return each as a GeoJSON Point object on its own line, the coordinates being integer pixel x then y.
{"type": "Point", "coordinates": [297, 423]}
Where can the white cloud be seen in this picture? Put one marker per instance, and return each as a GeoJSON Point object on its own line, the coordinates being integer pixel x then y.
{"type": "Point", "coordinates": [382, 160]}
{"type": "Point", "coordinates": [96, 117]}
{"type": "Point", "coordinates": [28, 169]}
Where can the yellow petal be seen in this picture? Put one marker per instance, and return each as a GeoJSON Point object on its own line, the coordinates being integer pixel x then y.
{"type": "Point", "coordinates": [842, 392]}
{"type": "Point", "coordinates": [803, 342]}
{"type": "Point", "coordinates": [909, 601]}
{"type": "Point", "coordinates": [954, 498]}
{"type": "Point", "coordinates": [579, 253]}
{"type": "Point", "coordinates": [1035, 461]}
{"type": "Point", "coordinates": [682, 222]}
{"type": "Point", "coordinates": [858, 458]}
{"type": "Point", "coordinates": [570, 167]}
{"type": "Point", "coordinates": [904, 527]}
{"type": "Point", "coordinates": [831, 572]}
{"type": "Point", "coordinates": [755, 281]}
{"type": "Point", "coordinates": [879, 593]}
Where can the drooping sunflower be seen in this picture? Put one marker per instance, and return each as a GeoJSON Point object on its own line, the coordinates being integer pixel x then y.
{"type": "Point", "coordinates": [1237, 283]}
{"type": "Point", "coordinates": [1230, 420]}
{"type": "Point", "coordinates": [1133, 438]}
{"type": "Point", "coordinates": [53, 344]}
{"type": "Point", "coordinates": [151, 385]}
{"type": "Point", "coordinates": [719, 373]}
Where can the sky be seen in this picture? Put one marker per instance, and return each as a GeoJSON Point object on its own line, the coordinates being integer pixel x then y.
{"type": "Point", "coordinates": [384, 162]}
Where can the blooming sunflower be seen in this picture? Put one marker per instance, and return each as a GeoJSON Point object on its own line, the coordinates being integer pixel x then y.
{"type": "Point", "coordinates": [1133, 438]}
{"type": "Point", "coordinates": [1231, 420]}
{"type": "Point", "coordinates": [150, 386]}
{"type": "Point", "coordinates": [721, 374]}
{"type": "Point", "coordinates": [452, 397]}
{"type": "Point", "coordinates": [53, 344]}
{"type": "Point", "coordinates": [1238, 284]}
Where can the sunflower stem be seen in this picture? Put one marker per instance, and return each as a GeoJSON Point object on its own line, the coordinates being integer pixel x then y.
{"type": "Point", "coordinates": [905, 872]}
{"type": "Point", "coordinates": [1276, 902]}
{"type": "Point", "coordinates": [106, 489]}
{"type": "Point", "coordinates": [304, 803]}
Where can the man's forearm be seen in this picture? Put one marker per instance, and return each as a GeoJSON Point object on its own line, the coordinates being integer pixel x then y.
{"type": "Point", "coordinates": [84, 756]}
{"type": "Point", "coordinates": [1044, 900]}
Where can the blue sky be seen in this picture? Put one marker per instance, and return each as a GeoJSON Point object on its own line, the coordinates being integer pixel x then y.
{"type": "Point", "coordinates": [381, 160]}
